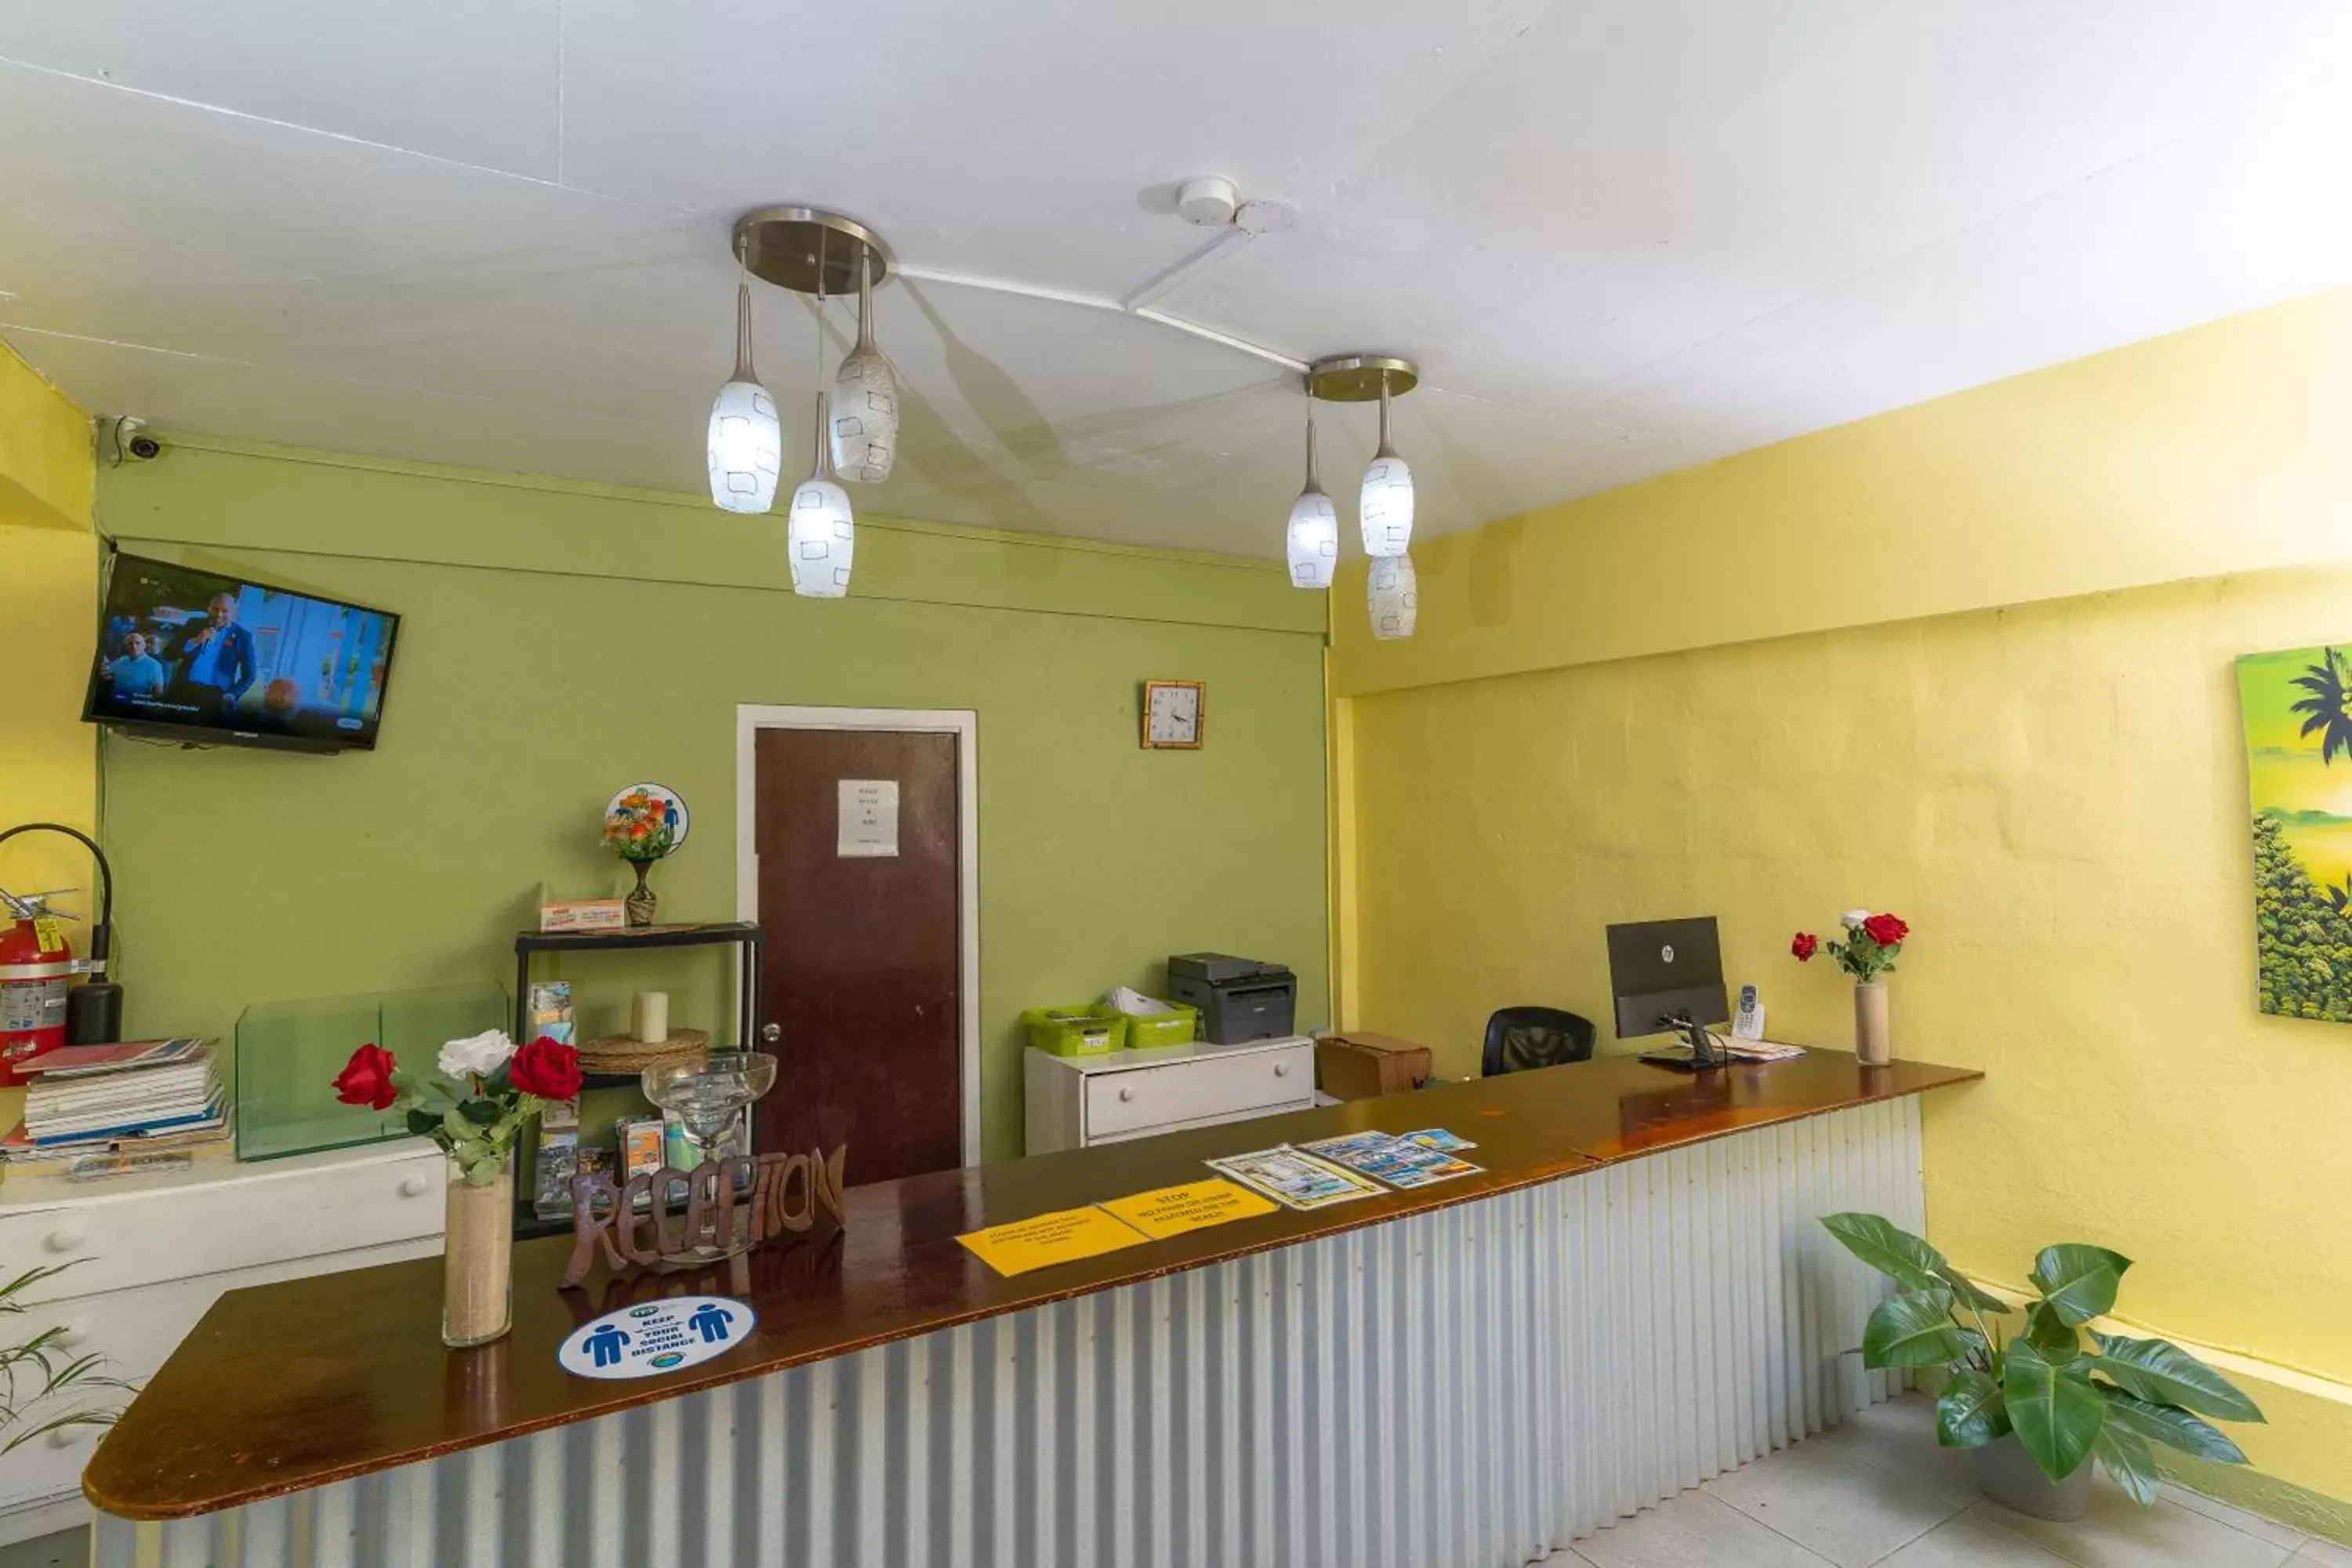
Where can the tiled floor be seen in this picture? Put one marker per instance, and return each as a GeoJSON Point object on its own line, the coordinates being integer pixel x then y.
{"type": "Point", "coordinates": [1878, 1490]}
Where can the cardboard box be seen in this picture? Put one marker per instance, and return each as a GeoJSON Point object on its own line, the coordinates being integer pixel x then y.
{"type": "Point", "coordinates": [583, 914]}
{"type": "Point", "coordinates": [1358, 1066]}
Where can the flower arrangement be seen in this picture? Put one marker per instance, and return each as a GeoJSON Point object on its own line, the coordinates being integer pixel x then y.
{"type": "Point", "coordinates": [486, 1089]}
{"type": "Point", "coordinates": [641, 827]}
{"type": "Point", "coordinates": [1870, 945]}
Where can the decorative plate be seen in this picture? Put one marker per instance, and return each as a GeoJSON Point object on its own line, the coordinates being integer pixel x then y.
{"type": "Point", "coordinates": [657, 803]}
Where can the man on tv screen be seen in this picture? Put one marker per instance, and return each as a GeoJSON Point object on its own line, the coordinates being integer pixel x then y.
{"type": "Point", "coordinates": [137, 672]}
{"type": "Point", "coordinates": [217, 660]}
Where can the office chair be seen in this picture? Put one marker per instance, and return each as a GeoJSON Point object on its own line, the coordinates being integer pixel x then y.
{"type": "Point", "coordinates": [1519, 1038]}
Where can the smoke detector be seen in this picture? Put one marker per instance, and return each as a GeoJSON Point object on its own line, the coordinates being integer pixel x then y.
{"type": "Point", "coordinates": [1209, 201]}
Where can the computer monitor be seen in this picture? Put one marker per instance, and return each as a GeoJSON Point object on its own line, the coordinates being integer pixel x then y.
{"type": "Point", "coordinates": [1663, 970]}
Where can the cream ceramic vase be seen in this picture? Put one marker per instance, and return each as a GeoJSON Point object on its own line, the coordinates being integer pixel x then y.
{"type": "Point", "coordinates": [477, 1258]}
{"type": "Point", "coordinates": [1872, 1043]}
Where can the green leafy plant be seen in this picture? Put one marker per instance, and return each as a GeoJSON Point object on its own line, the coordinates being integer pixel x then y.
{"type": "Point", "coordinates": [38, 1377]}
{"type": "Point", "coordinates": [2113, 1400]}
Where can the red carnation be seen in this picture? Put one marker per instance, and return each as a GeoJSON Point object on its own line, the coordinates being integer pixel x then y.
{"type": "Point", "coordinates": [1884, 929]}
{"type": "Point", "coordinates": [1805, 945]}
{"type": "Point", "coordinates": [546, 1067]}
{"type": "Point", "coordinates": [366, 1078]}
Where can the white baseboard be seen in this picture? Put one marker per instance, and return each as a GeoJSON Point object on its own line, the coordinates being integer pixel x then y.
{"type": "Point", "coordinates": [45, 1516]}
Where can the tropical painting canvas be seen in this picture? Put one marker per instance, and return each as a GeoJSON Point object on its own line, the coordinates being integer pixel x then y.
{"type": "Point", "coordinates": [2297, 708]}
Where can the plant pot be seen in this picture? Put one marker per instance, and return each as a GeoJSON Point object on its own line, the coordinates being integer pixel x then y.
{"type": "Point", "coordinates": [2010, 1477]}
{"type": "Point", "coordinates": [641, 901]}
{"type": "Point", "coordinates": [1872, 1043]}
{"type": "Point", "coordinates": [477, 1258]}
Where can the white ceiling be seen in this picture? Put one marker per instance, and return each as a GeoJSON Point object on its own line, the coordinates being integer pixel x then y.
{"type": "Point", "coordinates": [1621, 236]}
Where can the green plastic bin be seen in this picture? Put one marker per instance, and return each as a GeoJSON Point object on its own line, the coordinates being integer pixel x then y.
{"type": "Point", "coordinates": [1178, 1026]}
{"type": "Point", "coordinates": [1085, 1030]}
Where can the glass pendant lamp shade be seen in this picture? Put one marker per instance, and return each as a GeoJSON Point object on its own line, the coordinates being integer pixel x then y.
{"type": "Point", "coordinates": [1314, 539]}
{"type": "Point", "coordinates": [1387, 513]}
{"type": "Point", "coordinates": [864, 401]}
{"type": "Point", "coordinates": [1393, 596]}
{"type": "Point", "coordinates": [819, 533]}
{"type": "Point", "coordinates": [745, 440]}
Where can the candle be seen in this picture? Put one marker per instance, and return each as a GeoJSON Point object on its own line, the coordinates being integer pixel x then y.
{"type": "Point", "coordinates": [653, 1017]}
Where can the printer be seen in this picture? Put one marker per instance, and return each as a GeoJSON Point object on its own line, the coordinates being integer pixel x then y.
{"type": "Point", "coordinates": [1240, 999]}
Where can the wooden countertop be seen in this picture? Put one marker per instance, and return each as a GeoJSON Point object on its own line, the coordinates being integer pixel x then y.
{"type": "Point", "coordinates": [292, 1386]}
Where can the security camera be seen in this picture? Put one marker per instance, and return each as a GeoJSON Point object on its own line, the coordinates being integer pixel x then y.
{"type": "Point", "coordinates": [125, 440]}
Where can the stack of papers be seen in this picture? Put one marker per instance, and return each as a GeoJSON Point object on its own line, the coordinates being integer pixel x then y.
{"type": "Point", "coordinates": [87, 1099]}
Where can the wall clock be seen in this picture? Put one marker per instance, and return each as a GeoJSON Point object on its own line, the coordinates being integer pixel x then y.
{"type": "Point", "coordinates": [1174, 714]}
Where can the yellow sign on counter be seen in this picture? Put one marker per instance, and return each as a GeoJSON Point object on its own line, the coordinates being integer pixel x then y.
{"type": "Point", "coordinates": [1196, 1206]}
{"type": "Point", "coordinates": [1062, 1236]}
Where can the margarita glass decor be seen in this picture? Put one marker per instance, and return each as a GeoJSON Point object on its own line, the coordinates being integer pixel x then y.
{"type": "Point", "coordinates": [707, 1097]}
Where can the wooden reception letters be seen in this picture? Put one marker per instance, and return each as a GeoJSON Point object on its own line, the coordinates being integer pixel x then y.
{"type": "Point", "coordinates": [786, 1193]}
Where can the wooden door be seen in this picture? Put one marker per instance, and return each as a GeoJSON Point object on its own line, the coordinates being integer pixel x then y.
{"type": "Point", "coordinates": [864, 949]}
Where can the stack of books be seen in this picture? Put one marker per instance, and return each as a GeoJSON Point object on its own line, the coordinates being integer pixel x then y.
{"type": "Point", "coordinates": [96, 1099]}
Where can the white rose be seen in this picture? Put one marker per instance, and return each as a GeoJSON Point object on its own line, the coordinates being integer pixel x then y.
{"type": "Point", "coordinates": [1851, 920]}
{"type": "Point", "coordinates": [477, 1056]}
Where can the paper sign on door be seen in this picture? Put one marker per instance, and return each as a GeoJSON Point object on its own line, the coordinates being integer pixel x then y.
{"type": "Point", "coordinates": [869, 819]}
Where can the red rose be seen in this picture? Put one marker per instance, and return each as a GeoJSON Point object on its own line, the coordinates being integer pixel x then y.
{"type": "Point", "coordinates": [1805, 945]}
{"type": "Point", "coordinates": [1884, 929]}
{"type": "Point", "coordinates": [546, 1067]}
{"type": "Point", "coordinates": [366, 1078]}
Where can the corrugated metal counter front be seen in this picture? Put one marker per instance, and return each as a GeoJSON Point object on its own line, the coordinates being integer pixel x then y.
{"type": "Point", "coordinates": [1471, 1381]}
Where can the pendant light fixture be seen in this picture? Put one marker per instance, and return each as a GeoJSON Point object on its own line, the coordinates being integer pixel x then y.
{"type": "Point", "coordinates": [1387, 514]}
{"type": "Point", "coordinates": [820, 533]}
{"type": "Point", "coordinates": [746, 443]}
{"type": "Point", "coordinates": [821, 536]}
{"type": "Point", "coordinates": [1314, 538]}
{"type": "Point", "coordinates": [824, 254]}
{"type": "Point", "coordinates": [1392, 594]}
{"type": "Point", "coordinates": [864, 401]}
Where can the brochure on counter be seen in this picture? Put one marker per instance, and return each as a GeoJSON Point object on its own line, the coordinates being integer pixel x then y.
{"type": "Point", "coordinates": [1398, 1162]}
{"type": "Point", "coordinates": [1312, 1176]}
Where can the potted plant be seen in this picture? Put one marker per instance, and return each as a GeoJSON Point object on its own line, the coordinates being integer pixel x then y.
{"type": "Point", "coordinates": [1868, 953]}
{"type": "Point", "coordinates": [2038, 1405]}
{"type": "Point", "coordinates": [39, 1385]}
{"type": "Point", "coordinates": [474, 1108]}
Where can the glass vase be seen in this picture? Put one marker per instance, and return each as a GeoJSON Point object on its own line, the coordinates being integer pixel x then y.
{"type": "Point", "coordinates": [641, 904]}
{"type": "Point", "coordinates": [1872, 1044]}
{"type": "Point", "coordinates": [477, 1258]}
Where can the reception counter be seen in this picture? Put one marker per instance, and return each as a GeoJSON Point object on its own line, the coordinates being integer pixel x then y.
{"type": "Point", "coordinates": [1632, 1297]}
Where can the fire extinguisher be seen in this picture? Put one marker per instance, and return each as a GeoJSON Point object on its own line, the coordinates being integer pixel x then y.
{"type": "Point", "coordinates": [40, 1007]}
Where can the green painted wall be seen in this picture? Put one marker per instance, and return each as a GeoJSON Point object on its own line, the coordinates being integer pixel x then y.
{"type": "Point", "coordinates": [559, 642]}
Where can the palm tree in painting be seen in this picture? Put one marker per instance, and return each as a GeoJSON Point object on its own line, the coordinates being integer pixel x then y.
{"type": "Point", "coordinates": [2329, 706]}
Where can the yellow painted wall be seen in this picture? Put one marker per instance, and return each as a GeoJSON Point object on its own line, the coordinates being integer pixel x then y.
{"type": "Point", "coordinates": [49, 604]}
{"type": "Point", "coordinates": [2224, 448]}
{"type": "Point", "coordinates": [2053, 793]}
{"type": "Point", "coordinates": [45, 473]}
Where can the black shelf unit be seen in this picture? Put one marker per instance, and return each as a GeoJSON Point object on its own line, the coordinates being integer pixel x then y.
{"type": "Point", "coordinates": [743, 934]}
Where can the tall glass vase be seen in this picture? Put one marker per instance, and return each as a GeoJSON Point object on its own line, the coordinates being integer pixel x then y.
{"type": "Point", "coordinates": [477, 1258]}
{"type": "Point", "coordinates": [1871, 1040]}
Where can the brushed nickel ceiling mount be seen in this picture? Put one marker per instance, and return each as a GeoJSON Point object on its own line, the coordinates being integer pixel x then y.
{"type": "Point", "coordinates": [811, 251]}
{"type": "Point", "coordinates": [1361, 378]}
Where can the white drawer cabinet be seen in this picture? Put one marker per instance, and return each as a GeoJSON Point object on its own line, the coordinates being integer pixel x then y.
{"type": "Point", "coordinates": [1075, 1101]}
{"type": "Point", "coordinates": [151, 1253]}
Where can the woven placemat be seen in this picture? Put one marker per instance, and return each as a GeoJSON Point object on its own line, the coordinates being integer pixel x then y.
{"type": "Point", "coordinates": [626, 1053]}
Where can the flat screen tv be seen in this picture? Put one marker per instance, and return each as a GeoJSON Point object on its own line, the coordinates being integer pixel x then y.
{"type": "Point", "coordinates": [208, 659]}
